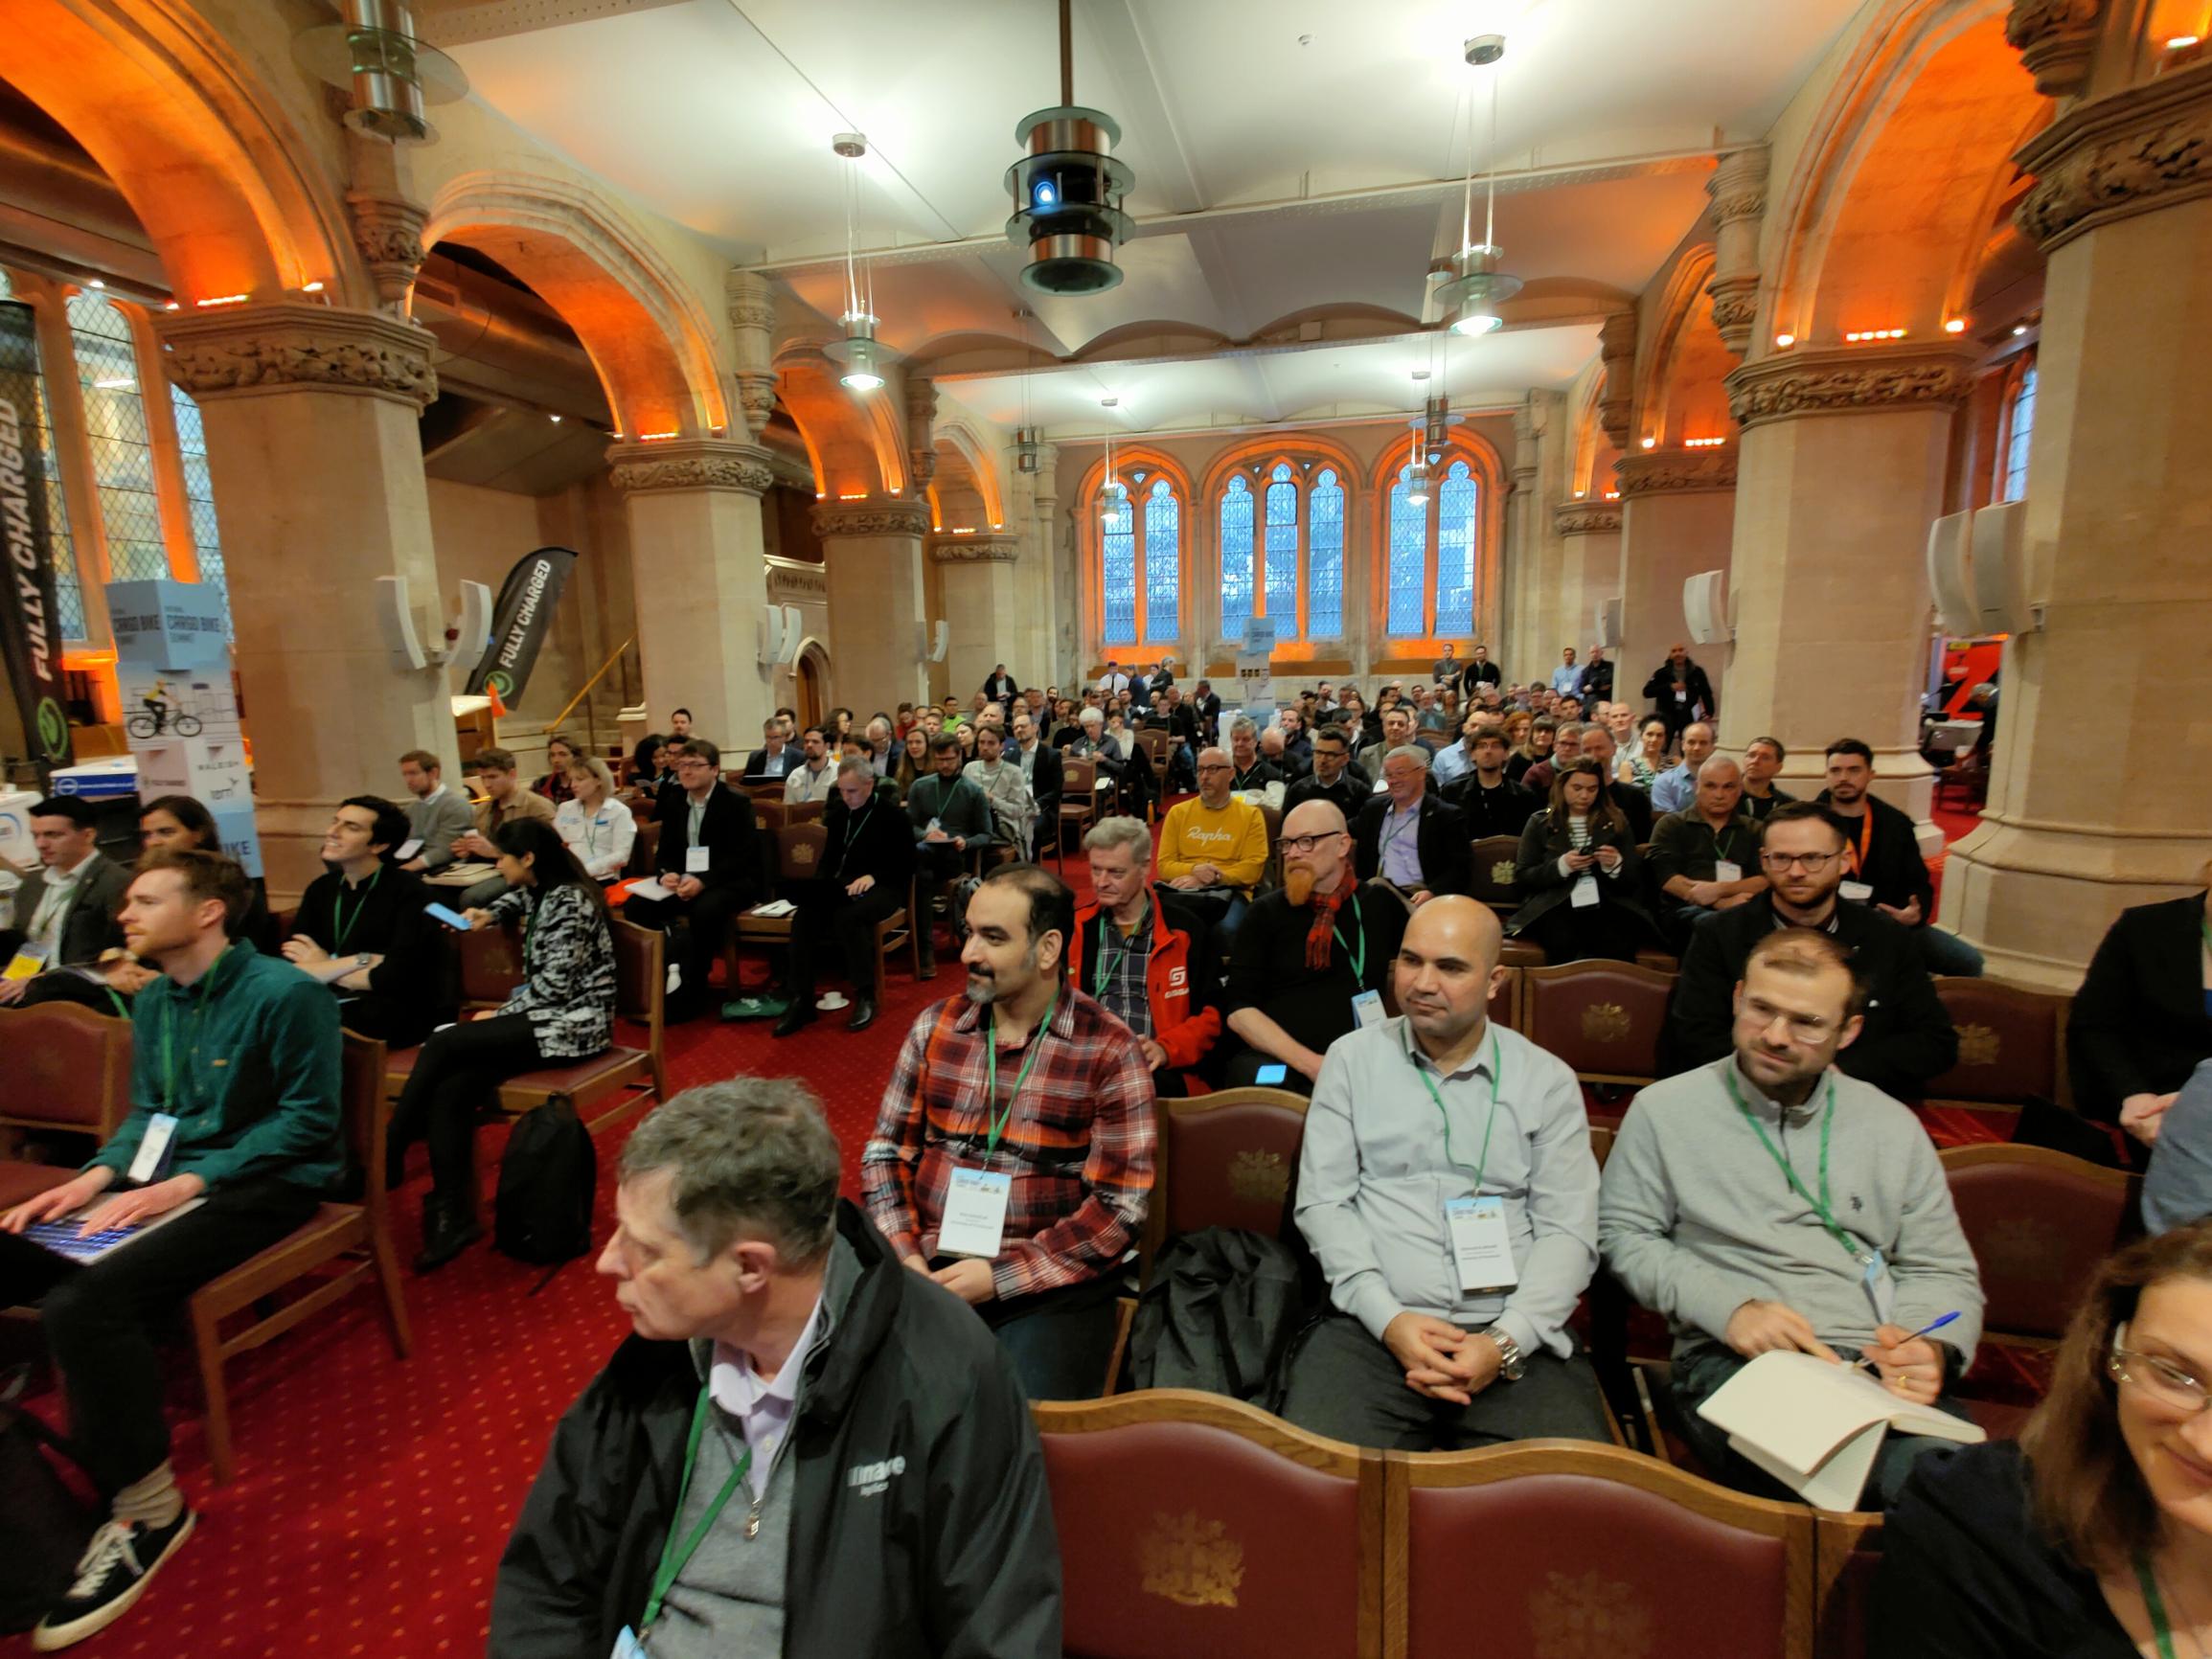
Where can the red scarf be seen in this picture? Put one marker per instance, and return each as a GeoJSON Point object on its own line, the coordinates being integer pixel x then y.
{"type": "Point", "coordinates": [1324, 926]}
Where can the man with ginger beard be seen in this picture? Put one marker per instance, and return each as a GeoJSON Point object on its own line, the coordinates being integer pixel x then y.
{"type": "Point", "coordinates": [1311, 957]}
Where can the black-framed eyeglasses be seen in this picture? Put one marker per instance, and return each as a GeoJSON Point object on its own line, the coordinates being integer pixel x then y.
{"type": "Point", "coordinates": [1809, 862]}
{"type": "Point", "coordinates": [1305, 844]}
{"type": "Point", "coordinates": [2157, 1380]}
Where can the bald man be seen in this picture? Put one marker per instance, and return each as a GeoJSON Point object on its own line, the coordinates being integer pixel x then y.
{"type": "Point", "coordinates": [1312, 958]}
{"type": "Point", "coordinates": [1447, 1188]}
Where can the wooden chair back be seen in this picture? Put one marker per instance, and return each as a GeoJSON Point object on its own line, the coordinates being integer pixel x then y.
{"type": "Point", "coordinates": [771, 812]}
{"type": "Point", "coordinates": [2039, 1224]}
{"type": "Point", "coordinates": [641, 990]}
{"type": "Point", "coordinates": [1492, 860]}
{"type": "Point", "coordinates": [1846, 1556]}
{"type": "Point", "coordinates": [1227, 1159]}
{"type": "Point", "coordinates": [1602, 1136]}
{"type": "Point", "coordinates": [68, 1068]}
{"type": "Point", "coordinates": [2010, 1043]}
{"type": "Point", "coordinates": [491, 966]}
{"type": "Point", "coordinates": [805, 811]}
{"type": "Point", "coordinates": [1505, 1000]}
{"type": "Point", "coordinates": [644, 851]}
{"type": "Point", "coordinates": [800, 850]}
{"type": "Point", "coordinates": [1602, 1018]}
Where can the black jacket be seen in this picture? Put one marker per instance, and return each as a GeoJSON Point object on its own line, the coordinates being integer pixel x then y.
{"type": "Point", "coordinates": [1347, 794]}
{"type": "Point", "coordinates": [921, 1527]}
{"type": "Point", "coordinates": [1661, 690]}
{"type": "Point", "coordinates": [89, 925]}
{"type": "Point", "coordinates": [411, 990]}
{"type": "Point", "coordinates": [1267, 968]}
{"type": "Point", "coordinates": [1504, 811]}
{"type": "Point", "coordinates": [1635, 803]}
{"type": "Point", "coordinates": [1000, 688]}
{"type": "Point", "coordinates": [1219, 1313]}
{"type": "Point", "coordinates": [2139, 1024]}
{"type": "Point", "coordinates": [1598, 683]}
{"type": "Point", "coordinates": [1046, 780]}
{"type": "Point", "coordinates": [1206, 710]}
{"type": "Point", "coordinates": [1181, 725]}
{"type": "Point", "coordinates": [1893, 865]}
{"type": "Point", "coordinates": [877, 843]}
{"type": "Point", "coordinates": [1684, 843]}
{"type": "Point", "coordinates": [1264, 772]}
{"type": "Point", "coordinates": [1441, 838]}
{"type": "Point", "coordinates": [727, 831]}
{"type": "Point", "coordinates": [1908, 1038]}
{"type": "Point", "coordinates": [1544, 889]}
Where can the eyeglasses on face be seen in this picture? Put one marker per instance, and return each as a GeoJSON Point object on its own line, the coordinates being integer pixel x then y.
{"type": "Point", "coordinates": [1302, 845]}
{"type": "Point", "coordinates": [2157, 1380]}
{"type": "Point", "coordinates": [1809, 862]}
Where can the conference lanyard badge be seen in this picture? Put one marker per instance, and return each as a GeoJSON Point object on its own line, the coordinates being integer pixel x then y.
{"type": "Point", "coordinates": [1367, 1010]}
{"type": "Point", "coordinates": [974, 1223]}
{"type": "Point", "coordinates": [29, 961]}
{"type": "Point", "coordinates": [1584, 891]}
{"type": "Point", "coordinates": [1879, 1286]}
{"type": "Point", "coordinates": [1481, 1244]}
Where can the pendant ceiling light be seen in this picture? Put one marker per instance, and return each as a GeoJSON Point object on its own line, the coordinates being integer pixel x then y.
{"type": "Point", "coordinates": [390, 72]}
{"type": "Point", "coordinates": [1028, 447]}
{"type": "Point", "coordinates": [1472, 297]}
{"type": "Point", "coordinates": [1068, 191]}
{"type": "Point", "coordinates": [1112, 498]}
{"type": "Point", "coordinates": [859, 351]}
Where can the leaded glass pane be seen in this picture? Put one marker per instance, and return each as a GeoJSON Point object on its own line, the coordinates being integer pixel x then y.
{"type": "Point", "coordinates": [115, 424]}
{"type": "Point", "coordinates": [68, 589]}
{"type": "Point", "coordinates": [1455, 541]}
{"type": "Point", "coordinates": [2017, 440]}
{"type": "Point", "coordinates": [199, 500]}
{"type": "Point", "coordinates": [1236, 557]}
{"type": "Point", "coordinates": [1163, 562]}
{"type": "Point", "coordinates": [1118, 541]}
{"type": "Point", "coordinates": [1325, 559]}
{"type": "Point", "coordinates": [1409, 555]}
{"type": "Point", "coordinates": [1283, 552]}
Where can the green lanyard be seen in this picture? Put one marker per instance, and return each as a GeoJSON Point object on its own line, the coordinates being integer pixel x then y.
{"type": "Point", "coordinates": [991, 1060]}
{"type": "Point", "coordinates": [1820, 1205]}
{"type": "Point", "coordinates": [1103, 975]}
{"type": "Point", "coordinates": [2154, 1604]}
{"type": "Point", "coordinates": [207, 987]}
{"type": "Point", "coordinates": [675, 1557]}
{"type": "Point", "coordinates": [1359, 953]}
{"type": "Point", "coordinates": [1428, 1082]}
{"type": "Point", "coordinates": [341, 925]}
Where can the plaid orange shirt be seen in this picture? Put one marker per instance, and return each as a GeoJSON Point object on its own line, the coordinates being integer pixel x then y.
{"type": "Point", "coordinates": [1078, 1144]}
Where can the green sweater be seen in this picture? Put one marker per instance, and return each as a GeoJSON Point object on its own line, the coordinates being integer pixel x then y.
{"type": "Point", "coordinates": [247, 1061]}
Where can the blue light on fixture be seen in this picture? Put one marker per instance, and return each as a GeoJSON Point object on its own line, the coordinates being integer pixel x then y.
{"type": "Point", "coordinates": [1045, 194]}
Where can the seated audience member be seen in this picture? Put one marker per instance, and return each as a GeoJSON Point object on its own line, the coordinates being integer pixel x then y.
{"type": "Point", "coordinates": [182, 822]}
{"type": "Point", "coordinates": [1306, 956]}
{"type": "Point", "coordinates": [867, 866]}
{"type": "Point", "coordinates": [436, 816]}
{"type": "Point", "coordinates": [1207, 710]}
{"type": "Point", "coordinates": [1033, 1082]}
{"type": "Point", "coordinates": [1428, 711]}
{"type": "Point", "coordinates": [1275, 752]}
{"type": "Point", "coordinates": [1762, 758]}
{"type": "Point", "coordinates": [1620, 720]}
{"type": "Point", "coordinates": [1455, 761]}
{"type": "Point", "coordinates": [1297, 743]}
{"type": "Point", "coordinates": [1490, 802]}
{"type": "Point", "coordinates": [1013, 808]}
{"type": "Point", "coordinates": [709, 862]}
{"type": "Point", "coordinates": [882, 748]}
{"type": "Point", "coordinates": [651, 767]}
{"type": "Point", "coordinates": [838, 732]}
{"type": "Point", "coordinates": [679, 725]}
{"type": "Point", "coordinates": [1706, 858]}
{"type": "Point", "coordinates": [815, 777]}
{"type": "Point", "coordinates": [1097, 743]}
{"type": "Point", "coordinates": [505, 802]}
{"type": "Point", "coordinates": [1539, 735]}
{"type": "Point", "coordinates": [2142, 1021]}
{"type": "Point", "coordinates": [1580, 874]}
{"type": "Point", "coordinates": [914, 762]}
{"type": "Point", "coordinates": [1413, 1357]}
{"type": "Point", "coordinates": [790, 721]}
{"type": "Point", "coordinates": [1396, 731]}
{"type": "Point", "coordinates": [1409, 835]}
{"type": "Point", "coordinates": [2177, 1184]}
{"type": "Point", "coordinates": [1251, 771]}
{"type": "Point", "coordinates": [64, 914]}
{"type": "Point", "coordinates": [364, 909]}
{"type": "Point", "coordinates": [1041, 771]}
{"type": "Point", "coordinates": [948, 814]}
{"type": "Point", "coordinates": [1569, 706]}
{"type": "Point", "coordinates": [1905, 1037]}
{"type": "Point", "coordinates": [1883, 854]}
{"type": "Point", "coordinates": [1566, 745]}
{"type": "Point", "coordinates": [560, 756]}
{"type": "Point", "coordinates": [1635, 805]}
{"type": "Point", "coordinates": [1673, 790]}
{"type": "Point", "coordinates": [1214, 846]}
{"type": "Point", "coordinates": [562, 1011]}
{"type": "Point", "coordinates": [2090, 1537]}
{"type": "Point", "coordinates": [1769, 1201]}
{"type": "Point", "coordinates": [1145, 957]}
{"type": "Point", "coordinates": [774, 760]}
{"type": "Point", "coordinates": [598, 830]}
{"type": "Point", "coordinates": [762, 1307]}
{"type": "Point", "coordinates": [1334, 778]}
{"type": "Point", "coordinates": [251, 1113]}
{"type": "Point", "coordinates": [1648, 763]}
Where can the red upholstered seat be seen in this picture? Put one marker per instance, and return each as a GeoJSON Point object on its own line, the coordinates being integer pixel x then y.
{"type": "Point", "coordinates": [19, 1181]}
{"type": "Point", "coordinates": [2039, 1222]}
{"type": "Point", "coordinates": [1602, 1018]}
{"type": "Point", "coordinates": [2008, 1043]}
{"type": "Point", "coordinates": [1228, 1159]}
{"type": "Point", "coordinates": [68, 1068]}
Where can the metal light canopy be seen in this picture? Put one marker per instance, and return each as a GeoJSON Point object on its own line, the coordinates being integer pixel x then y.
{"type": "Point", "coordinates": [391, 74]}
{"type": "Point", "coordinates": [1472, 298]}
{"type": "Point", "coordinates": [1067, 200]}
{"type": "Point", "coordinates": [859, 351]}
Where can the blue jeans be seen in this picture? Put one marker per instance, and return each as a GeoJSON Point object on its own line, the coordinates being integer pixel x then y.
{"type": "Point", "coordinates": [1945, 953]}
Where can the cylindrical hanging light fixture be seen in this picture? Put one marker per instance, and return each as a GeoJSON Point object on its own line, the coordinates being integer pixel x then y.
{"type": "Point", "coordinates": [1068, 191]}
{"type": "Point", "coordinates": [1472, 298]}
{"type": "Point", "coordinates": [859, 351]}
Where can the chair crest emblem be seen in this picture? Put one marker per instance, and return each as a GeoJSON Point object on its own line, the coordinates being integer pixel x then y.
{"type": "Point", "coordinates": [1605, 1022]}
{"type": "Point", "coordinates": [1588, 1618]}
{"type": "Point", "coordinates": [1192, 1562]}
{"type": "Point", "coordinates": [1260, 1176]}
{"type": "Point", "coordinates": [1502, 872]}
{"type": "Point", "coordinates": [1977, 1045]}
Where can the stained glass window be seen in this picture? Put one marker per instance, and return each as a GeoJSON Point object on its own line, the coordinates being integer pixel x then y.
{"type": "Point", "coordinates": [1118, 539]}
{"type": "Point", "coordinates": [1236, 557]}
{"type": "Point", "coordinates": [68, 589]}
{"type": "Point", "coordinates": [1163, 561]}
{"type": "Point", "coordinates": [1455, 539]}
{"type": "Point", "coordinates": [200, 499]}
{"type": "Point", "coordinates": [1325, 557]}
{"type": "Point", "coordinates": [1283, 551]}
{"type": "Point", "coordinates": [2023, 425]}
{"type": "Point", "coordinates": [115, 424]}
{"type": "Point", "coordinates": [1407, 584]}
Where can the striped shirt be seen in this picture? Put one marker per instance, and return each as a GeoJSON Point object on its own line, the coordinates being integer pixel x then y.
{"type": "Point", "coordinates": [1078, 1143]}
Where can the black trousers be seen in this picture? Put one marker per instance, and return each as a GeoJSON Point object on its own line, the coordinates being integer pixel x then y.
{"type": "Point", "coordinates": [831, 923]}
{"type": "Point", "coordinates": [75, 988]}
{"type": "Point", "coordinates": [1345, 1384]}
{"type": "Point", "coordinates": [938, 866]}
{"type": "Point", "coordinates": [706, 923]}
{"type": "Point", "coordinates": [102, 1319]}
{"type": "Point", "coordinates": [459, 1070]}
{"type": "Point", "coordinates": [1601, 930]}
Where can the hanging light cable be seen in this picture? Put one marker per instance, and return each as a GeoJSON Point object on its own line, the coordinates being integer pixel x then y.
{"type": "Point", "coordinates": [1112, 497]}
{"type": "Point", "coordinates": [859, 350]}
{"type": "Point", "coordinates": [1474, 297]}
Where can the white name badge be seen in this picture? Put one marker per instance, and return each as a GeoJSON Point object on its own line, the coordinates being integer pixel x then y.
{"type": "Point", "coordinates": [974, 1220]}
{"type": "Point", "coordinates": [407, 850]}
{"type": "Point", "coordinates": [695, 860]}
{"type": "Point", "coordinates": [1727, 870]}
{"type": "Point", "coordinates": [1681, 695]}
{"type": "Point", "coordinates": [1858, 891]}
{"type": "Point", "coordinates": [1480, 1243]}
{"type": "Point", "coordinates": [1367, 1010]}
{"type": "Point", "coordinates": [1880, 1287]}
{"type": "Point", "coordinates": [154, 1149]}
{"type": "Point", "coordinates": [1584, 891]}
{"type": "Point", "coordinates": [627, 1645]}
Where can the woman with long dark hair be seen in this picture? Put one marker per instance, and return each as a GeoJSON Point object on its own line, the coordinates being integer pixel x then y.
{"type": "Point", "coordinates": [649, 769]}
{"type": "Point", "coordinates": [913, 761]}
{"type": "Point", "coordinates": [1580, 874]}
{"type": "Point", "coordinates": [562, 1011]}
{"type": "Point", "coordinates": [560, 754]}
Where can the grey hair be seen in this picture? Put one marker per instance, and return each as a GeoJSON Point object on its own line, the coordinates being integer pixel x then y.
{"type": "Point", "coordinates": [1409, 752]}
{"type": "Point", "coordinates": [1090, 716]}
{"type": "Point", "coordinates": [1243, 726]}
{"type": "Point", "coordinates": [748, 1155]}
{"type": "Point", "coordinates": [1111, 832]}
{"type": "Point", "coordinates": [856, 763]}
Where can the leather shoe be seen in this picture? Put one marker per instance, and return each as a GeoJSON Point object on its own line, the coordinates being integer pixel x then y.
{"type": "Point", "coordinates": [446, 1234]}
{"type": "Point", "coordinates": [863, 1015]}
{"type": "Point", "coordinates": [800, 1012]}
{"type": "Point", "coordinates": [928, 970]}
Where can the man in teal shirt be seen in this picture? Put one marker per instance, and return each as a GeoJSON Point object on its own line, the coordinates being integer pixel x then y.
{"type": "Point", "coordinates": [235, 1110]}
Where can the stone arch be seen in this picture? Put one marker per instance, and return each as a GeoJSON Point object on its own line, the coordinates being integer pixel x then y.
{"type": "Point", "coordinates": [966, 482]}
{"type": "Point", "coordinates": [201, 149]}
{"type": "Point", "coordinates": [853, 442]}
{"type": "Point", "coordinates": [1681, 394]}
{"type": "Point", "coordinates": [1894, 188]}
{"type": "Point", "coordinates": [1591, 467]}
{"type": "Point", "coordinates": [1489, 473]}
{"type": "Point", "coordinates": [1266, 448]}
{"type": "Point", "coordinates": [649, 339]}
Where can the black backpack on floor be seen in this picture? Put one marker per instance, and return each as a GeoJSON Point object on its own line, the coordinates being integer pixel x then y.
{"type": "Point", "coordinates": [44, 1527]}
{"type": "Point", "coordinates": [546, 1180]}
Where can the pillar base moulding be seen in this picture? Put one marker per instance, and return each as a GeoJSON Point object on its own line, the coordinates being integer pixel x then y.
{"type": "Point", "coordinates": [2057, 40]}
{"type": "Point", "coordinates": [1587, 518]}
{"type": "Point", "coordinates": [248, 351]}
{"type": "Point", "coordinates": [2138, 150]}
{"type": "Point", "coordinates": [1845, 380]}
{"type": "Point", "coordinates": [872, 516]}
{"type": "Point", "coordinates": [1674, 473]}
{"type": "Point", "coordinates": [690, 463]}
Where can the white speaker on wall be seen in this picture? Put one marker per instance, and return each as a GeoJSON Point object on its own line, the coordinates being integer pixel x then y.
{"type": "Point", "coordinates": [1606, 624]}
{"type": "Point", "coordinates": [794, 636]}
{"type": "Point", "coordinates": [940, 640]}
{"type": "Point", "coordinates": [1976, 570]}
{"type": "Point", "coordinates": [1949, 543]}
{"type": "Point", "coordinates": [473, 627]}
{"type": "Point", "coordinates": [396, 620]}
{"type": "Point", "coordinates": [1706, 607]}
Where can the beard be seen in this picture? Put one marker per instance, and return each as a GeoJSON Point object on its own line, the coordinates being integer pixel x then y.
{"type": "Point", "coordinates": [1297, 884]}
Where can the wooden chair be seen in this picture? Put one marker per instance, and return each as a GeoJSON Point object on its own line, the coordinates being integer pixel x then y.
{"type": "Point", "coordinates": [644, 851]}
{"type": "Point", "coordinates": [1155, 742]}
{"type": "Point", "coordinates": [1602, 1137]}
{"type": "Point", "coordinates": [68, 1071]}
{"type": "Point", "coordinates": [1492, 860]}
{"type": "Point", "coordinates": [1194, 1523]}
{"type": "Point", "coordinates": [1846, 1556]}
{"type": "Point", "coordinates": [1077, 802]}
{"type": "Point", "coordinates": [894, 930]}
{"type": "Point", "coordinates": [805, 811]}
{"type": "Point", "coordinates": [2010, 1044]}
{"type": "Point", "coordinates": [1602, 1018]}
{"type": "Point", "coordinates": [1606, 1550]}
{"type": "Point", "coordinates": [799, 850]}
{"type": "Point", "coordinates": [1505, 1001]}
{"type": "Point", "coordinates": [355, 1238]}
{"type": "Point", "coordinates": [1227, 1159]}
{"type": "Point", "coordinates": [770, 811]}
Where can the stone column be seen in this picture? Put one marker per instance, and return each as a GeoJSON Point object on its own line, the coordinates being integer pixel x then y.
{"type": "Point", "coordinates": [1738, 189]}
{"type": "Point", "coordinates": [752, 312]}
{"type": "Point", "coordinates": [1844, 452]}
{"type": "Point", "coordinates": [1524, 642]}
{"type": "Point", "coordinates": [1035, 632]}
{"type": "Point", "coordinates": [1677, 513]}
{"type": "Point", "coordinates": [2098, 797]}
{"type": "Point", "coordinates": [309, 413]}
{"type": "Point", "coordinates": [986, 605]}
{"type": "Point", "coordinates": [872, 548]}
{"type": "Point", "coordinates": [699, 578]}
{"type": "Point", "coordinates": [1588, 569]}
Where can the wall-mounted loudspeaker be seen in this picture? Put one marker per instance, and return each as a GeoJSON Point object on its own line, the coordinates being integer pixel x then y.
{"type": "Point", "coordinates": [1977, 569]}
{"type": "Point", "coordinates": [794, 635]}
{"type": "Point", "coordinates": [397, 621]}
{"type": "Point", "coordinates": [1706, 607]}
{"type": "Point", "coordinates": [473, 627]}
{"type": "Point", "coordinates": [1606, 624]}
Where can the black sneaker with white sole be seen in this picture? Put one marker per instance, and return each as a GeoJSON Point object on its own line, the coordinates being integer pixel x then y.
{"type": "Point", "coordinates": [117, 1565]}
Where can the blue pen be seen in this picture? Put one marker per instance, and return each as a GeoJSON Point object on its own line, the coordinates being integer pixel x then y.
{"type": "Point", "coordinates": [1928, 1329]}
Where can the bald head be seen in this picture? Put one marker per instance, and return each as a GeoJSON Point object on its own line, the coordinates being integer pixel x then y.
{"type": "Point", "coordinates": [1444, 972]}
{"type": "Point", "coordinates": [1314, 848]}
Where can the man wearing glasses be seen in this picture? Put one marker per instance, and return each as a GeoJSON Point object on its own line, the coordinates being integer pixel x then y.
{"type": "Point", "coordinates": [709, 865]}
{"type": "Point", "coordinates": [1908, 1038]}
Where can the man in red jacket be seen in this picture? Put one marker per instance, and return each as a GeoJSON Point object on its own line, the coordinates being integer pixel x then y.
{"type": "Point", "coordinates": [1145, 956]}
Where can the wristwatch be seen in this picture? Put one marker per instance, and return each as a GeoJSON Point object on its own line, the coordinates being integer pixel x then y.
{"type": "Point", "coordinates": [1511, 1366]}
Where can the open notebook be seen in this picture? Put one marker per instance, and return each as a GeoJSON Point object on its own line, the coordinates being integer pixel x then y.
{"type": "Point", "coordinates": [1815, 1426]}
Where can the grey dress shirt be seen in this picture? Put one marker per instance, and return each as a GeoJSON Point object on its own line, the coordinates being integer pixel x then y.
{"type": "Point", "coordinates": [1373, 1179]}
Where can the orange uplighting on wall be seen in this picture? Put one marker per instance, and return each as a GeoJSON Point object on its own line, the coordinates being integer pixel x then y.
{"type": "Point", "coordinates": [1703, 442]}
{"type": "Point", "coordinates": [223, 300]}
{"type": "Point", "coordinates": [1955, 326]}
{"type": "Point", "coordinates": [1786, 340]}
{"type": "Point", "coordinates": [83, 662]}
{"type": "Point", "coordinates": [1860, 335]}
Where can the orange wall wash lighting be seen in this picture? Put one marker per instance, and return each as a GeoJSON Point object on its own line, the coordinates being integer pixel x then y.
{"type": "Point", "coordinates": [1703, 442]}
{"type": "Point", "coordinates": [1859, 336]}
{"type": "Point", "coordinates": [224, 299]}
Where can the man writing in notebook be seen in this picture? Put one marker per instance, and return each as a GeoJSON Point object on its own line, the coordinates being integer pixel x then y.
{"type": "Point", "coordinates": [1766, 1201]}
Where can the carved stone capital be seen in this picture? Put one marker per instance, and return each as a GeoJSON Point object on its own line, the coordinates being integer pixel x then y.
{"type": "Point", "coordinates": [755, 396]}
{"type": "Point", "coordinates": [751, 302]}
{"type": "Point", "coordinates": [1617, 350]}
{"type": "Point", "coordinates": [1846, 380]}
{"type": "Point", "coordinates": [2056, 40]}
{"type": "Point", "coordinates": [872, 516]}
{"type": "Point", "coordinates": [388, 230]}
{"type": "Point", "coordinates": [948, 549]}
{"type": "Point", "coordinates": [1735, 308]}
{"type": "Point", "coordinates": [668, 464]}
{"type": "Point", "coordinates": [2138, 150]}
{"type": "Point", "coordinates": [285, 346]}
{"type": "Point", "coordinates": [1676, 472]}
{"type": "Point", "coordinates": [1587, 518]}
{"type": "Point", "coordinates": [1738, 185]}
{"type": "Point", "coordinates": [920, 419]}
